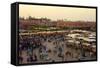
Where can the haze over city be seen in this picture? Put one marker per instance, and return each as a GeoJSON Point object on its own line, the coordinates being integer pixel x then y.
{"type": "Point", "coordinates": [58, 13]}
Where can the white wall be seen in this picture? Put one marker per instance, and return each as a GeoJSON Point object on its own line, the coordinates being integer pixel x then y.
{"type": "Point", "coordinates": [5, 34]}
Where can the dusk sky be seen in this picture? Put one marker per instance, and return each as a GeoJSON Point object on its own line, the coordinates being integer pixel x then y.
{"type": "Point", "coordinates": [56, 12]}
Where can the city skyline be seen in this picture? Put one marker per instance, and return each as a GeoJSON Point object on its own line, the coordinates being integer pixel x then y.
{"type": "Point", "coordinates": [58, 13]}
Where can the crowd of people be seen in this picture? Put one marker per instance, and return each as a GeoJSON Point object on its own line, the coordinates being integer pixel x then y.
{"type": "Point", "coordinates": [54, 47]}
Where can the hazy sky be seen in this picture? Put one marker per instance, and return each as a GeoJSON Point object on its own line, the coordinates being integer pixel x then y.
{"type": "Point", "coordinates": [54, 12]}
